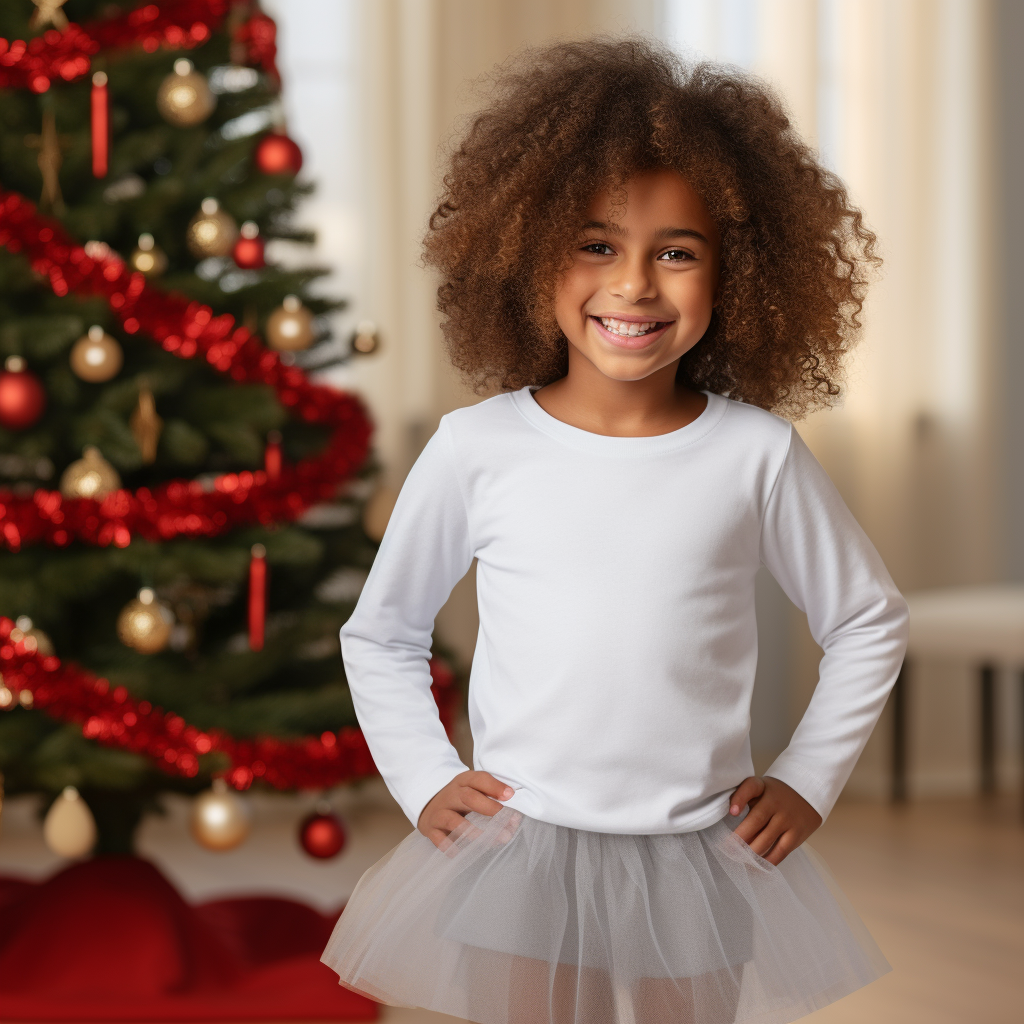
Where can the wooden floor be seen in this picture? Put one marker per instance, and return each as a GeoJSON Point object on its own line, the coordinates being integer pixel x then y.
{"type": "Point", "coordinates": [941, 887]}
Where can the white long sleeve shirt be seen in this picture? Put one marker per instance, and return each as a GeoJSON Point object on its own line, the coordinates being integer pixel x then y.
{"type": "Point", "coordinates": [614, 664]}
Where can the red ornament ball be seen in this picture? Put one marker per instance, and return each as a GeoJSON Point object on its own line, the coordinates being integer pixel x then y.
{"type": "Point", "coordinates": [248, 250]}
{"type": "Point", "coordinates": [22, 397]}
{"type": "Point", "coordinates": [322, 835]}
{"type": "Point", "coordinates": [277, 154]}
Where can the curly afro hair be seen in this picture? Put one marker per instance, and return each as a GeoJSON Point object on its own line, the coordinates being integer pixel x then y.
{"type": "Point", "coordinates": [573, 119]}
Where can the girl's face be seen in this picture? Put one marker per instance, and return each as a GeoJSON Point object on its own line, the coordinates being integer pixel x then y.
{"type": "Point", "coordinates": [641, 287]}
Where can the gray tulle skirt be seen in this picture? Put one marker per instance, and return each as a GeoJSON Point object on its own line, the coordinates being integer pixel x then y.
{"type": "Point", "coordinates": [523, 922]}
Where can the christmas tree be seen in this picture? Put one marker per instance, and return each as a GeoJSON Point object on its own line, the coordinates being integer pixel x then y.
{"type": "Point", "coordinates": [180, 525]}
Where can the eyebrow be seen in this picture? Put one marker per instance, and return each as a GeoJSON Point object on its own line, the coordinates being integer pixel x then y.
{"type": "Point", "coordinates": [615, 229]}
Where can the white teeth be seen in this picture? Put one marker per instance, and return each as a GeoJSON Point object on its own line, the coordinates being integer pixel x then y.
{"type": "Point", "coordinates": [627, 328]}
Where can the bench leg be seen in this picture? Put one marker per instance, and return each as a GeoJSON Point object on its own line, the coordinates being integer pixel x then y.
{"type": "Point", "coordinates": [899, 735]}
{"type": "Point", "coordinates": [988, 730]}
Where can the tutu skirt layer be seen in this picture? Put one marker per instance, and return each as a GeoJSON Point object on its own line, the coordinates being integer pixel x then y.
{"type": "Point", "coordinates": [520, 921]}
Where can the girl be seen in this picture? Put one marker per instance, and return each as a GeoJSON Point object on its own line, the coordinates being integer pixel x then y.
{"type": "Point", "coordinates": [647, 263]}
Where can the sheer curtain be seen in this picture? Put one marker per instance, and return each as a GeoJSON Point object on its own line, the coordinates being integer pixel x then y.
{"type": "Point", "coordinates": [897, 96]}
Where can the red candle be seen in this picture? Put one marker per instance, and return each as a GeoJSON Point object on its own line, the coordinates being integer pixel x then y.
{"type": "Point", "coordinates": [257, 596]}
{"type": "Point", "coordinates": [272, 456]}
{"type": "Point", "coordinates": [100, 125]}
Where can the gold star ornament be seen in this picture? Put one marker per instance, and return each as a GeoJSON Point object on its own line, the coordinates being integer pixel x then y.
{"type": "Point", "coordinates": [48, 12]}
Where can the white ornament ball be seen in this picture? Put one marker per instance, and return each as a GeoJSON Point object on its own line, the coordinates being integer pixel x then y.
{"type": "Point", "coordinates": [69, 828]}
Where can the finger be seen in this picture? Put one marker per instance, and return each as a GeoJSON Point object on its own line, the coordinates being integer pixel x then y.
{"type": "Point", "coordinates": [438, 838]}
{"type": "Point", "coordinates": [508, 830]}
{"type": "Point", "coordinates": [456, 825]}
{"type": "Point", "coordinates": [752, 824]}
{"type": "Point", "coordinates": [449, 820]}
{"type": "Point", "coordinates": [765, 839]}
{"type": "Point", "coordinates": [467, 830]}
{"type": "Point", "coordinates": [474, 800]}
{"type": "Point", "coordinates": [450, 824]}
{"type": "Point", "coordinates": [749, 789]}
{"type": "Point", "coordinates": [785, 845]}
{"type": "Point", "coordinates": [487, 783]}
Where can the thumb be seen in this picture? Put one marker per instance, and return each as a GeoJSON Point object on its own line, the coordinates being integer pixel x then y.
{"type": "Point", "coordinates": [749, 789]}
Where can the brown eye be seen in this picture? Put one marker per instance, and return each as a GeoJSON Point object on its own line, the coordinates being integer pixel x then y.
{"type": "Point", "coordinates": [595, 248]}
{"type": "Point", "coordinates": [677, 255]}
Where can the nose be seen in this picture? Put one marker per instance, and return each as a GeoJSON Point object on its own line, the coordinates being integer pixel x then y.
{"type": "Point", "coordinates": [632, 280]}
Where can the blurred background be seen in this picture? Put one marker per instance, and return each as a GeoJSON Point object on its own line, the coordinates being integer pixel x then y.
{"type": "Point", "coordinates": [916, 104]}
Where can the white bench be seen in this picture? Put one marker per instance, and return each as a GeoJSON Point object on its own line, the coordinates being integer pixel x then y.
{"type": "Point", "coordinates": [981, 626]}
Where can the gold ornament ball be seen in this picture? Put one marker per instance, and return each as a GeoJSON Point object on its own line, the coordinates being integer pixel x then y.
{"type": "Point", "coordinates": [184, 98]}
{"type": "Point", "coordinates": [90, 477]}
{"type": "Point", "coordinates": [148, 258]}
{"type": "Point", "coordinates": [145, 623]}
{"type": "Point", "coordinates": [220, 818]}
{"type": "Point", "coordinates": [290, 326]}
{"type": "Point", "coordinates": [211, 232]}
{"type": "Point", "coordinates": [69, 828]}
{"type": "Point", "coordinates": [365, 338]}
{"type": "Point", "coordinates": [32, 635]}
{"type": "Point", "coordinates": [96, 356]}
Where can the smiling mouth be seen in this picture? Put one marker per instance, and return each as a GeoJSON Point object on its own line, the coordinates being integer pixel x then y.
{"type": "Point", "coordinates": [630, 328]}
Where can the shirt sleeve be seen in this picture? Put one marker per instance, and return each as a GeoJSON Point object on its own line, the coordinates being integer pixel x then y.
{"type": "Point", "coordinates": [385, 644]}
{"type": "Point", "coordinates": [822, 559]}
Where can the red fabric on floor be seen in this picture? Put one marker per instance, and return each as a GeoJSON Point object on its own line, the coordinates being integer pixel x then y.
{"type": "Point", "coordinates": [110, 939]}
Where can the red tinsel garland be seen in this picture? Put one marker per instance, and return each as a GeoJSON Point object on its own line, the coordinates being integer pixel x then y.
{"type": "Point", "coordinates": [112, 717]}
{"type": "Point", "coordinates": [174, 24]}
{"type": "Point", "coordinates": [258, 36]}
{"type": "Point", "coordinates": [66, 55]}
{"type": "Point", "coordinates": [179, 508]}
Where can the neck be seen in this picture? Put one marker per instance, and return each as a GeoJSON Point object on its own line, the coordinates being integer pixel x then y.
{"type": "Point", "coordinates": [588, 399]}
